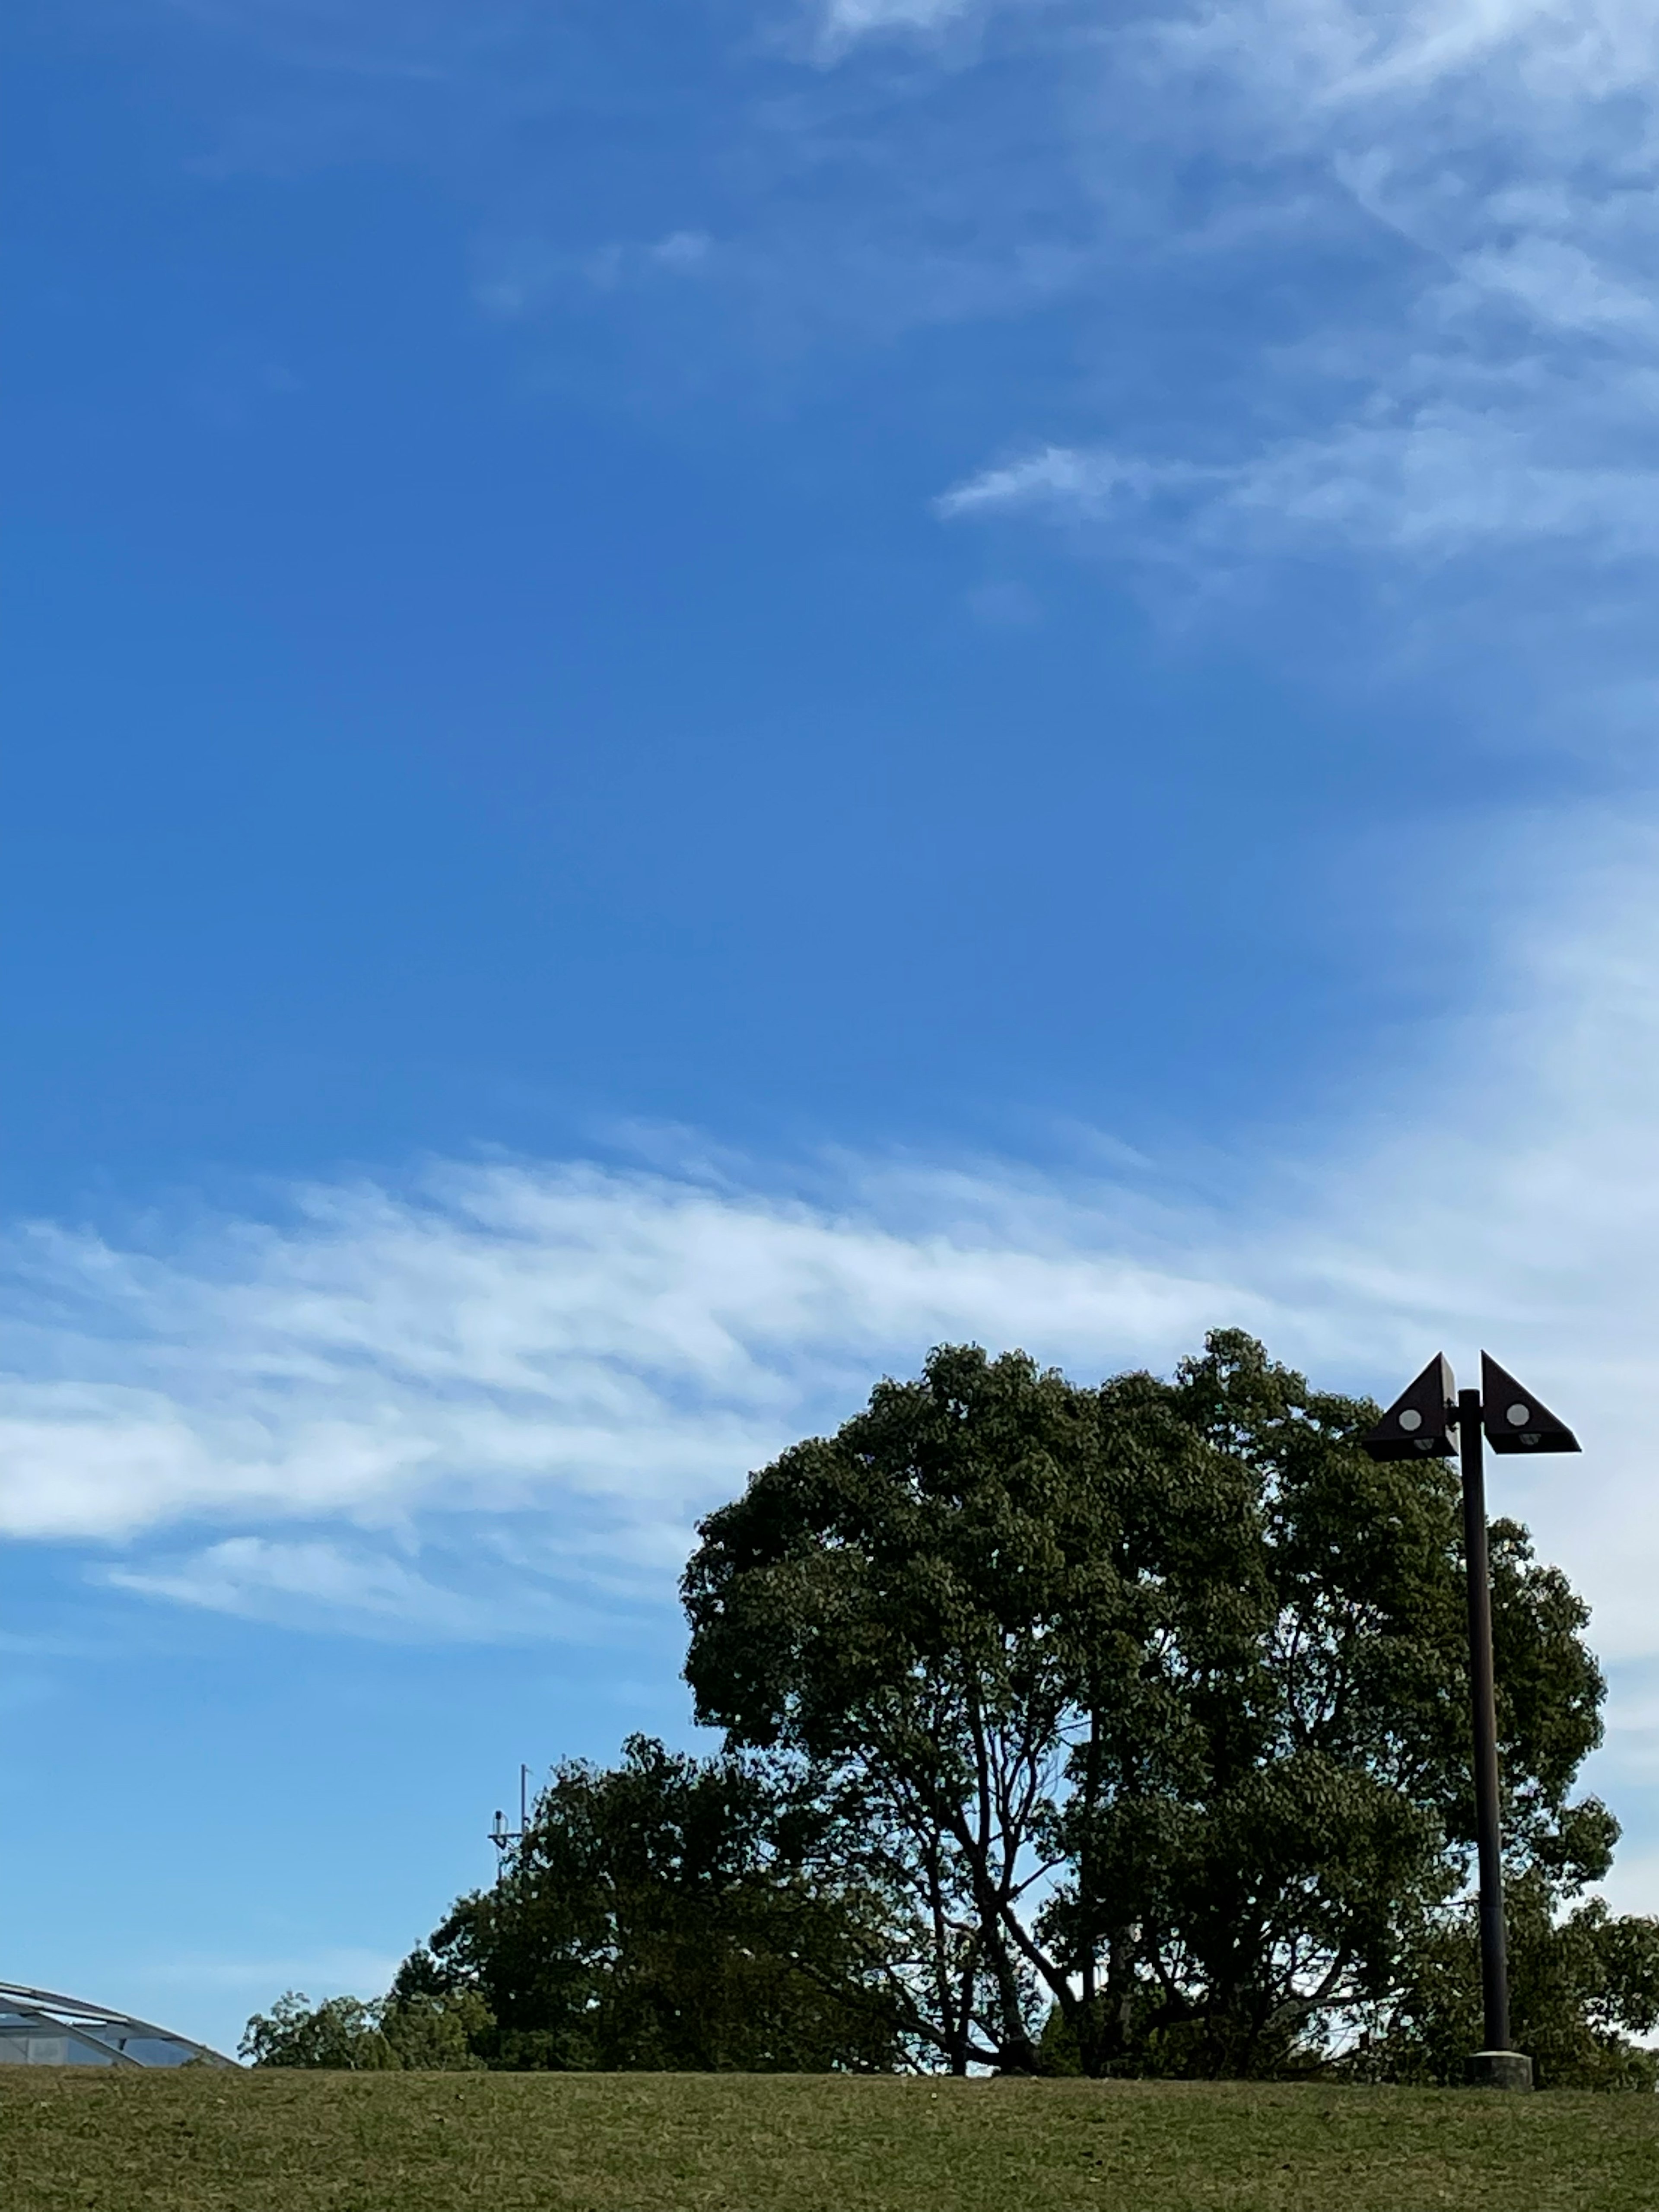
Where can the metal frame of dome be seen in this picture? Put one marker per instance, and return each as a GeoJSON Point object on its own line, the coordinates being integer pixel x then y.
{"type": "Point", "coordinates": [38, 2028]}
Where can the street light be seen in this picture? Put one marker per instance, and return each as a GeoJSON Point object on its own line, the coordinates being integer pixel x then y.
{"type": "Point", "coordinates": [1424, 1420]}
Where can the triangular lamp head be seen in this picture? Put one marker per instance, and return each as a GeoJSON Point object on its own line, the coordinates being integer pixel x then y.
{"type": "Point", "coordinates": [1516, 1421]}
{"type": "Point", "coordinates": [1421, 1421]}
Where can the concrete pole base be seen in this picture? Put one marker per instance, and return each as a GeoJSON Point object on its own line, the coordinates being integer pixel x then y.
{"type": "Point", "coordinates": [1500, 2069]}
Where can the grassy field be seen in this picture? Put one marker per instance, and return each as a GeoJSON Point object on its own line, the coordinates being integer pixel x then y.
{"type": "Point", "coordinates": [75, 2141]}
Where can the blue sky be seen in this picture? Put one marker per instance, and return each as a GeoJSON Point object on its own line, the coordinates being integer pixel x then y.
{"type": "Point", "coordinates": [697, 695]}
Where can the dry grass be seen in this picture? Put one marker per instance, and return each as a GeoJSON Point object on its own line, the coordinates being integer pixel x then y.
{"type": "Point", "coordinates": [77, 2141]}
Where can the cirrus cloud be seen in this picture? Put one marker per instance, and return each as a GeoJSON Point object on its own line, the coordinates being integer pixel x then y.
{"type": "Point", "coordinates": [1455, 207]}
{"type": "Point", "coordinates": [495, 1400]}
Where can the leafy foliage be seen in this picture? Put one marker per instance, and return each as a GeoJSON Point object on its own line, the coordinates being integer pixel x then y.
{"type": "Point", "coordinates": [1115, 1730]}
{"type": "Point", "coordinates": [340, 2033]}
{"type": "Point", "coordinates": [1149, 1703]}
{"type": "Point", "coordinates": [428, 2031]}
{"type": "Point", "coordinates": [1582, 1985]}
{"type": "Point", "coordinates": [670, 1913]}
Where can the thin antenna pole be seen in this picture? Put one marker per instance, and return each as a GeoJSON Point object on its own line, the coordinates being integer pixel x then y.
{"type": "Point", "coordinates": [524, 1800]}
{"type": "Point", "coordinates": [1494, 1961]}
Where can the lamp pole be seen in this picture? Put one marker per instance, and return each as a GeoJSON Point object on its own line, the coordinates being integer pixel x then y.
{"type": "Point", "coordinates": [1483, 1700]}
{"type": "Point", "coordinates": [1433, 1417]}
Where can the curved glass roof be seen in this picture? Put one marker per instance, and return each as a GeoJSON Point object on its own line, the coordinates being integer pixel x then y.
{"type": "Point", "coordinates": [39, 2029]}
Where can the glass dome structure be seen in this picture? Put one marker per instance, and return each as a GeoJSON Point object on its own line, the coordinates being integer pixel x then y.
{"type": "Point", "coordinates": [39, 2029]}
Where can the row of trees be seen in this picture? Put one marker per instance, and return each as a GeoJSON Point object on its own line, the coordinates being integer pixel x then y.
{"type": "Point", "coordinates": [1113, 1730]}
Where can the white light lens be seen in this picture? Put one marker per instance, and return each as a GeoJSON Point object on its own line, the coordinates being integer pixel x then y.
{"type": "Point", "coordinates": [1520, 1415]}
{"type": "Point", "coordinates": [1411, 1418]}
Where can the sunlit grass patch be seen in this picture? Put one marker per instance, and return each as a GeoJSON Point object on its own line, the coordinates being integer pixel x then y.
{"type": "Point", "coordinates": [292, 2142]}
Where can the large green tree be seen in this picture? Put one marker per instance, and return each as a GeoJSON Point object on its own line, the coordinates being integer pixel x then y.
{"type": "Point", "coordinates": [429, 2030]}
{"type": "Point", "coordinates": [1146, 1705]}
{"type": "Point", "coordinates": [672, 1913]}
{"type": "Point", "coordinates": [1584, 1985]}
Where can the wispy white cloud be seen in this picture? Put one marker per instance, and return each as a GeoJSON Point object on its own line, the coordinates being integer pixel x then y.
{"type": "Point", "coordinates": [1491, 383]}
{"type": "Point", "coordinates": [521, 275]}
{"type": "Point", "coordinates": [1337, 53]}
{"type": "Point", "coordinates": [494, 1403]}
{"type": "Point", "coordinates": [1448, 481]}
{"type": "Point", "coordinates": [1093, 481]}
{"type": "Point", "coordinates": [1450, 208]}
{"type": "Point", "coordinates": [504, 1335]}
{"type": "Point", "coordinates": [842, 23]}
{"type": "Point", "coordinates": [322, 1581]}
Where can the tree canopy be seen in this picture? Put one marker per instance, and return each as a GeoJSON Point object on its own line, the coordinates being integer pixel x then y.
{"type": "Point", "coordinates": [1147, 1704]}
{"type": "Point", "coordinates": [671, 1913]}
{"type": "Point", "coordinates": [1103, 1730]}
{"type": "Point", "coordinates": [428, 2031]}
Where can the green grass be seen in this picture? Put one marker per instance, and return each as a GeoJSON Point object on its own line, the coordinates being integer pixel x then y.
{"type": "Point", "coordinates": [77, 2141]}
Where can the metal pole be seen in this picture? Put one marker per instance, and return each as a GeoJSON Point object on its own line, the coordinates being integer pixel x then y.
{"type": "Point", "coordinates": [1494, 1962]}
